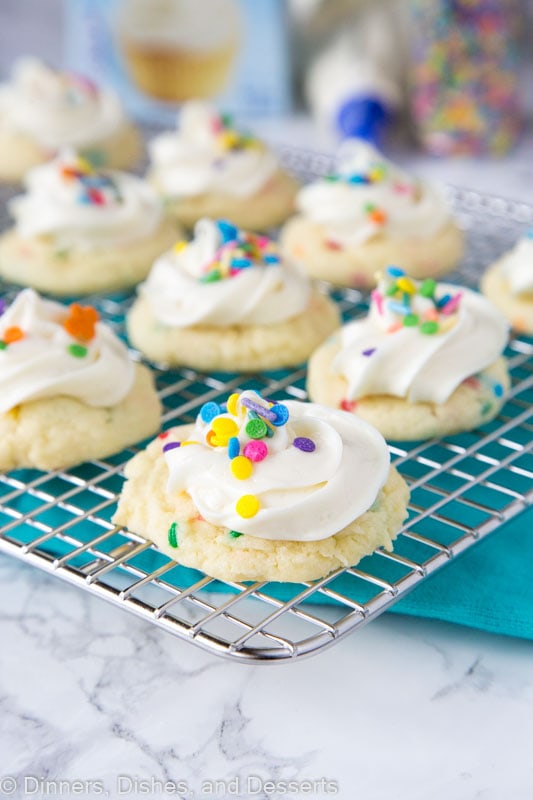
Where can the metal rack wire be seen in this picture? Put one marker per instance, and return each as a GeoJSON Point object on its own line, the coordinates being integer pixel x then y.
{"type": "Point", "coordinates": [462, 488]}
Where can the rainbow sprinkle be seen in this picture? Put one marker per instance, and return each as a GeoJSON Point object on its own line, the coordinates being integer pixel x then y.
{"type": "Point", "coordinates": [239, 251]}
{"type": "Point", "coordinates": [96, 188]}
{"type": "Point", "coordinates": [397, 295]}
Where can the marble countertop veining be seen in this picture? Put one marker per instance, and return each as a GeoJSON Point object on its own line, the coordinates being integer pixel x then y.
{"type": "Point", "coordinates": [403, 709]}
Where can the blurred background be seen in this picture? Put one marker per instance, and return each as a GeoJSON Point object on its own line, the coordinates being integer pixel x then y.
{"type": "Point", "coordinates": [446, 85]}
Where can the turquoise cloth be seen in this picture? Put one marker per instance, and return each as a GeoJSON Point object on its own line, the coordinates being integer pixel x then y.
{"type": "Point", "coordinates": [489, 587]}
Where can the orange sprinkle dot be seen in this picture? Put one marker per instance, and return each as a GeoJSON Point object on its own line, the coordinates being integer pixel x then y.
{"type": "Point", "coordinates": [13, 334]}
{"type": "Point", "coordinates": [378, 216]}
{"type": "Point", "coordinates": [81, 322]}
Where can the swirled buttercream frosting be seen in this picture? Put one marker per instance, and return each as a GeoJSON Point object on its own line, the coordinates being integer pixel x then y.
{"type": "Point", "coordinates": [207, 154]}
{"type": "Point", "coordinates": [282, 471]}
{"type": "Point", "coordinates": [517, 266]}
{"type": "Point", "coordinates": [419, 341]}
{"type": "Point", "coordinates": [81, 206]}
{"type": "Point", "coordinates": [58, 109]}
{"type": "Point", "coordinates": [368, 196]}
{"type": "Point", "coordinates": [47, 350]}
{"type": "Point", "coordinates": [224, 277]}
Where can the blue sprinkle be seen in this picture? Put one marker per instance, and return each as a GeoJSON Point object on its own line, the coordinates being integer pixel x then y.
{"type": "Point", "coordinates": [209, 411]}
{"type": "Point", "coordinates": [407, 300]}
{"type": "Point", "coordinates": [443, 300]}
{"type": "Point", "coordinates": [271, 259]}
{"type": "Point", "coordinates": [234, 447]}
{"type": "Point", "coordinates": [84, 199]}
{"type": "Point", "coordinates": [397, 308]}
{"type": "Point", "coordinates": [282, 414]}
{"type": "Point", "coordinates": [357, 179]}
{"type": "Point", "coordinates": [241, 263]}
{"type": "Point", "coordinates": [498, 390]}
{"type": "Point", "coordinates": [395, 272]}
{"type": "Point", "coordinates": [529, 234]}
{"type": "Point", "coordinates": [228, 231]}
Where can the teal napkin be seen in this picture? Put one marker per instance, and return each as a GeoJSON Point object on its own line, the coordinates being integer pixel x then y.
{"type": "Point", "coordinates": [489, 587]}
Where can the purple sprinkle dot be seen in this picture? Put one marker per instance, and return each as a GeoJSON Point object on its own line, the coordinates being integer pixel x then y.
{"type": "Point", "coordinates": [2, 306]}
{"type": "Point", "coordinates": [369, 351]}
{"type": "Point", "coordinates": [305, 444]}
{"type": "Point", "coordinates": [171, 446]}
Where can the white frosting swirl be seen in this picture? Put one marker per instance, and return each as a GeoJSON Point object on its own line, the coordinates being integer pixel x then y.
{"type": "Point", "coordinates": [381, 356]}
{"type": "Point", "coordinates": [58, 109]}
{"type": "Point", "coordinates": [260, 294]}
{"type": "Point", "coordinates": [188, 24]}
{"type": "Point", "coordinates": [206, 156]}
{"type": "Point", "coordinates": [517, 267]}
{"type": "Point", "coordinates": [368, 196]}
{"type": "Point", "coordinates": [302, 496]}
{"type": "Point", "coordinates": [40, 363]}
{"type": "Point", "coordinates": [58, 203]}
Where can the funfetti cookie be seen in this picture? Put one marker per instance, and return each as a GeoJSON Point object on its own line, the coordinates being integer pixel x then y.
{"type": "Point", "coordinates": [227, 301]}
{"type": "Point", "coordinates": [69, 390]}
{"type": "Point", "coordinates": [426, 361]}
{"type": "Point", "coordinates": [43, 110]}
{"type": "Point", "coordinates": [366, 215]}
{"type": "Point", "coordinates": [79, 229]}
{"type": "Point", "coordinates": [509, 285]}
{"type": "Point", "coordinates": [208, 168]}
{"type": "Point", "coordinates": [258, 491]}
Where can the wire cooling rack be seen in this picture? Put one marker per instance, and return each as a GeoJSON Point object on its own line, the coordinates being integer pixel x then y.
{"type": "Point", "coordinates": [462, 488]}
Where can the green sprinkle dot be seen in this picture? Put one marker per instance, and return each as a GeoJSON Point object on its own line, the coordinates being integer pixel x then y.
{"type": "Point", "coordinates": [235, 534]}
{"type": "Point", "coordinates": [256, 429]}
{"type": "Point", "coordinates": [173, 535]}
{"type": "Point", "coordinates": [410, 320]}
{"type": "Point", "coordinates": [226, 120]}
{"type": "Point", "coordinates": [369, 207]}
{"type": "Point", "coordinates": [486, 407]}
{"type": "Point", "coordinates": [392, 289]}
{"type": "Point", "coordinates": [427, 287]}
{"type": "Point", "coordinates": [331, 178]}
{"type": "Point", "coordinates": [3, 345]}
{"type": "Point", "coordinates": [430, 327]}
{"type": "Point", "coordinates": [77, 350]}
{"type": "Point", "coordinates": [211, 277]}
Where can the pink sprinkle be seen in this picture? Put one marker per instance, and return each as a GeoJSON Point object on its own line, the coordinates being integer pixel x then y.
{"type": "Point", "coordinates": [452, 305]}
{"type": "Point", "coordinates": [96, 197]}
{"type": "Point", "coordinates": [377, 298]}
{"type": "Point", "coordinates": [163, 435]}
{"type": "Point", "coordinates": [472, 382]}
{"type": "Point", "coordinates": [331, 245]}
{"type": "Point", "coordinates": [256, 450]}
{"type": "Point", "coordinates": [262, 241]}
{"type": "Point", "coordinates": [347, 405]}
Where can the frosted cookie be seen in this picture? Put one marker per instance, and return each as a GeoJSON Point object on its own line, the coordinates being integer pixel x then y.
{"type": "Point", "coordinates": [509, 285]}
{"type": "Point", "coordinates": [265, 492]}
{"type": "Point", "coordinates": [369, 214]}
{"type": "Point", "coordinates": [227, 302]}
{"type": "Point", "coordinates": [174, 50]}
{"type": "Point", "coordinates": [79, 230]}
{"type": "Point", "coordinates": [43, 110]}
{"type": "Point", "coordinates": [69, 390]}
{"type": "Point", "coordinates": [208, 169]}
{"type": "Point", "coordinates": [425, 362]}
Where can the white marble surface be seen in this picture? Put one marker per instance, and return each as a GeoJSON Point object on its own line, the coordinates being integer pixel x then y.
{"type": "Point", "coordinates": [401, 709]}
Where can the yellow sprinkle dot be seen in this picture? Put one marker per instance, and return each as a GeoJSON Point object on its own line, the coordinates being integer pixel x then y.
{"type": "Point", "coordinates": [241, 467]}
{"type": "Point", "coordinates": [184, 444]}
{"type": "Point", "coordinates": [229, 139]}
{"type": "Point", "coordinates": [179, 246]}
{"type": "Point", "coordinates": [84, 165]}
{"type": "Point", "coordinates": [218, 441]}
{"type": "Point", "coordinates": [405, 285]}
{"type": "Point", "coordinates": [232, 403]}
{"type": "Point", "coordinates": [223, 426]}
{"type": "Point", "coordinates": [247, 506]}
